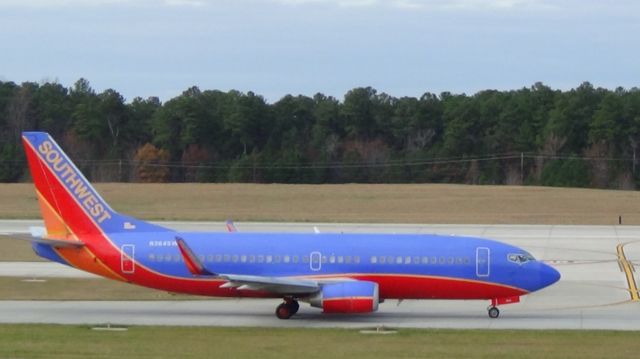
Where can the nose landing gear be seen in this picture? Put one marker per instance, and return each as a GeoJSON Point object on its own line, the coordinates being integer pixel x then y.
{"type": "Point", "coordinates": [288, 308]}
{"type": "Point", "coordinates": [493, 308]}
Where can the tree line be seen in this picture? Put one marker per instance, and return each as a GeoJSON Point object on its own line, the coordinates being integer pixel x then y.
{"type": "Point", "coordinates": [584, 137]}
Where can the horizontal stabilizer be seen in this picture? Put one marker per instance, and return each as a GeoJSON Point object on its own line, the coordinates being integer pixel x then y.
{"type": "Point", "coordinates": [58, 243]}
{"type": "Point", "coordinates": [38, 235]}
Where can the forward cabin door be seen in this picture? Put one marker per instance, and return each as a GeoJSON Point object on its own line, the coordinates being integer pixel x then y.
{"type": "Point", "coordinates": [483, 262]}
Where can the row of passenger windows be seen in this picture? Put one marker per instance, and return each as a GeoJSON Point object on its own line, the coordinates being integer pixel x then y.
{"type": "Point", "coordinates": [418, 260]}
{"type": "Point", "coordinates": [294, 259]}
{"type": "Point", "coordinates": [228, 258]}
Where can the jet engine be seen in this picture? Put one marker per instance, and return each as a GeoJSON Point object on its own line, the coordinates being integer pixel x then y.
{"type": "Point", "coordinates": [347, 297]}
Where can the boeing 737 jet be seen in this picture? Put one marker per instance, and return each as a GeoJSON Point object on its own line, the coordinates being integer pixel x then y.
{"type": "Point", "coordinates": [339, 273]}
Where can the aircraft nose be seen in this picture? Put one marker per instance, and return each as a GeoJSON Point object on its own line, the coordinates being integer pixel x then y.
{"type": "Point", "coordinates": [548, 275]}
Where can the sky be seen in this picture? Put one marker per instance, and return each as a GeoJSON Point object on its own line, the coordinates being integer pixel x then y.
{"type": "Point", "coordinates": [278, 47]}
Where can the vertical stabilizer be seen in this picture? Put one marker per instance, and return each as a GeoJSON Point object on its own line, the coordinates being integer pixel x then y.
{"type": "Point", "coordinates": [68, 202]}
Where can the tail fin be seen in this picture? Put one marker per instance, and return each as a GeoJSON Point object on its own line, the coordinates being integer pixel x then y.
{"type": "Point", "coordinates": [68, 203]}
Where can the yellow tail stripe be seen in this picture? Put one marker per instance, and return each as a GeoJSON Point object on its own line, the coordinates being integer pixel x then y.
{"type": "Point", "coordinates": [628, 271]}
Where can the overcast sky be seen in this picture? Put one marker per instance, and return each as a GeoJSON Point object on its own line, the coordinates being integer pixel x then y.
{"type": "Point", "coordinates": [278, 47]}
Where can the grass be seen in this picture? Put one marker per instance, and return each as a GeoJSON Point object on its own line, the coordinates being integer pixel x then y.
{"type": "Point", "coordinates": [14, 288]}
{"type": "Point", "coordinates": [365, 203]}
{"type": "Point", "coordinates": [17, 250]}
{"type": "Point", "coordinates": [53, 341]}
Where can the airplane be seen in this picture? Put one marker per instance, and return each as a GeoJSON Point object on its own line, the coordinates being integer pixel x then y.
{"type": "Point", "coordinates": [336, 272]}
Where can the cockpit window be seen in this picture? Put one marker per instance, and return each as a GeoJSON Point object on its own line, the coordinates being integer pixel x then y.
{"type": "Point", "coordinates": [520, 257]}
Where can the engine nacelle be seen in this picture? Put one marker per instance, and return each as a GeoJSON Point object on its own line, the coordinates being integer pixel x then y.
{"type": "Point", "coordinates": [347, 297]}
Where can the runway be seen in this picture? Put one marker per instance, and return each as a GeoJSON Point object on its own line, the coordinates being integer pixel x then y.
{"type": "Point", "coordinates": [597, 264]}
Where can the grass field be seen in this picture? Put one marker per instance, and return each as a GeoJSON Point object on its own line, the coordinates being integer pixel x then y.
{"type": "Point", "coordinates": [36, 341]}
{"type": "Point", "coordinates": [13, 288]}
{"type": "Point", "coordinates": [394, 203]}
{"type": "Point", "coordinates": [17, 250]}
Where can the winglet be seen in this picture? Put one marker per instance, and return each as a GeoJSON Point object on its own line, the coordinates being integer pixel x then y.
{"type": "Point", "coordinates": [194, 264]}
{"type": "Point", "coordinates": [230, 226]}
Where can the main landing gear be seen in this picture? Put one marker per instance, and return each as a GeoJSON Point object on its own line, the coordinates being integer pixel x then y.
{"type": "Point", "coordinates": [287, 309]}
{"type": "Point", "coordinates": [493, 312]}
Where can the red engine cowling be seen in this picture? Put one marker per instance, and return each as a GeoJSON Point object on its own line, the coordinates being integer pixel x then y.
{"type": "Point", "coordinates": [347, 297]}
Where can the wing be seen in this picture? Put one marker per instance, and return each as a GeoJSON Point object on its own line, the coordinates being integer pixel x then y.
{"type": "Point", "coordinates": [280, 285]}
{"type": "Point", "coordinates": [231, 227]}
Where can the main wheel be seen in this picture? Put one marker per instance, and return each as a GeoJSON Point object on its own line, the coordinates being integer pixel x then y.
{"type": "Point", "coordinates": [494, 312]}
{"type": "Point", "coordinates": [294, 306]}
{"type": "Point", "coordinates": [283, 311]}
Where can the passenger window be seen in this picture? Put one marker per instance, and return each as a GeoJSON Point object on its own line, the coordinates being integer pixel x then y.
{"type": "Point", "coordinates": [416, 260]}
{"type": "Point", "coordinates": [324, 259]}
{"type": "Point", "coordinates": [286, 259]}
{"type": "Point", "coordinates": [269, 259]}
{"type": "Point", "coordinates": [374, 259]}
{"type": "Point", "coordinates": [234, 258]}
{"type": "Point", "coordinates": [218, 258]}
{"type": "Point", "coordinates": [305, 259]}
{"type": "Point", "coordinates": [152, 257]}
{"type": "Point", "coordinates": [398, 260]}
{"type": "Point", "coordinates": [243, 258]}
{"type": "Point", "coordinates": [295, 259]}
{"type": "Point", "coordinates": [340, 259]}
{"type": "Point", "coordinates": [252, 259]}
{"type": "Point", "coordinates": [347, 259]}
{"type": "Point", "coordinates": [332, 259]}
{"type": "Point", "coordinates": [382, 259]}
{"type": "Point", "coordinates": [425, 260]}
{"type": "Point", "coordinates": [276, 259]}
{"type": "Point", "coordinates": [407, 260]}
{"type": "Point", "coordinates": [260, 259]}
{"type": "Point", "coordinates": [356, 259]}
{"type": "Point", "coordinates": [226, 258]}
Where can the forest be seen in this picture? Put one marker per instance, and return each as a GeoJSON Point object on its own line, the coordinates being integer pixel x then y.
{"type": "Point", "coordinates": [583, 137]}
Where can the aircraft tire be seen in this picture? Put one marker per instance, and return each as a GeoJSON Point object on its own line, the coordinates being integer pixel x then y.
{"type": "Point", "coordinates": [294, 306]}
{"type": "Point", "coordinates": [283, 311]}
{"type": "Point", "coordinates": [494, 312]}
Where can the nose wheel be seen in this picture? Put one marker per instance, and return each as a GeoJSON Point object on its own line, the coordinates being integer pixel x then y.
{"type": "Point", "coordinates": [493, 312]}
{"type": "Point", "coordinates": [287, 309]}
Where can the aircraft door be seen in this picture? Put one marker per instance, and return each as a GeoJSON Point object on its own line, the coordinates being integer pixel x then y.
{"type": "Point", "coordinates": [316, 261]}
{"type": "Point", "coordinates": [127, 258]}
{"type": "Point", "coordinates": [482, 262]}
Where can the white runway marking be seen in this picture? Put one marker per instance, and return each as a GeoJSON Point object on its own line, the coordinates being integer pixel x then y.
{"type": "Point", "coordinates": [592, 294]}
